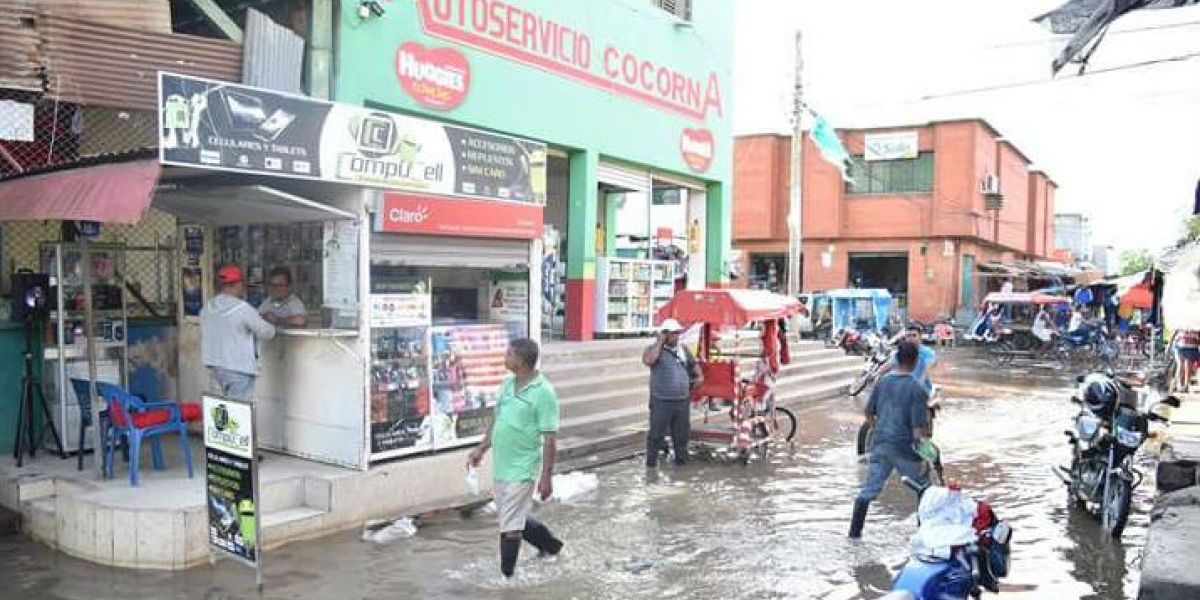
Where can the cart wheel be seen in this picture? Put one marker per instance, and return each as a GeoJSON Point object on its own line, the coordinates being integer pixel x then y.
{"type": "Point", "coordinates": [785, 424]}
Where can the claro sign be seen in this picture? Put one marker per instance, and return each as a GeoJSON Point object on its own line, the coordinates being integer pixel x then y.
{"type": "Point", "coordinates": [439, 215]}
{"type": "Point", "coordinates": [515, 33]}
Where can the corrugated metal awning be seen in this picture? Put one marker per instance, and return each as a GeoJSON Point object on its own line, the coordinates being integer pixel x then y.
{"type": "Point", "coordinates": [110, 193]}
{"type": "Point", "coordinates": [100, 65]}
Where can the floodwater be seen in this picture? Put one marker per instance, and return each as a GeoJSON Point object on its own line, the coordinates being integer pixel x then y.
{"type": "Point", "coordinates": [773, 529]}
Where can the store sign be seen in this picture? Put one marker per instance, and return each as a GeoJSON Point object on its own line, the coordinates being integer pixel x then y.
{"type": "Point", "coordinates": [232, 479]}
{"type": "Point", "coordinates": [436, 77]}
{"type": "Point", "coordinates": [401, 310]}
{"type": "Point", "coordinates": [214, 125]}
{"type": "Point", "coordinates": [697, 147]}
{"type": "Point", "coordinates": [891, 146]}
{"type": "Point", "coordinates": [16, 121]}
{"type": "Point", "coordinates": [514, 32]}
{"type": "Point", "coordinates": [410, 213]}
{"type": "Point", "coordinates": [509, 299]}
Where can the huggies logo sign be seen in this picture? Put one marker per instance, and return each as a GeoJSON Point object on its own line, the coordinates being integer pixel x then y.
{"type": "Point", "coordinates": [698, 148]}
{"type": "Point", "coordinates": [435, 77]}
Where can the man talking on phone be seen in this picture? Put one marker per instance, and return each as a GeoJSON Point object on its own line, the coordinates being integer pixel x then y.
{"type": "Point", "coordinates": [673, 375]}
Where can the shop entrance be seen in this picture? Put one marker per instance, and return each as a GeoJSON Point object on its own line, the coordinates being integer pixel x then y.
{"type": "Point", "coordinates": [768, 271]}
{"type": "Point", "coordinates": [888, 271]}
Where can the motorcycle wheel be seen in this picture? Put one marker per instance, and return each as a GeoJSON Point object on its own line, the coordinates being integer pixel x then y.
{"type": "Point", "coordinates": [1073, 499]}
{"type": "Point", "coordinates": [866, 437]}
{"type": "Point", "coordinates": [1114, 512]}
{"type": "Point", "coordinates": [859, 384]}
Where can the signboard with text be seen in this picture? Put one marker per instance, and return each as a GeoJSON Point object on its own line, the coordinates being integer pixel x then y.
{"type": "Point", "coordinates": [891, 146]}
{"type": "Point", "coordinates": [215, 125]}
{"type": "Point", "coordinates": [411, 213]}
{"type": "Point", "coordinates": [231, 473]}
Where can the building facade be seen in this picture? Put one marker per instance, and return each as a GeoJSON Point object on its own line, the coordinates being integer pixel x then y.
{"type": "Point", "coordinates": [633, 100]}
{"type": "Point", "coordinates": [926, 206]}
{"type": "Point", "coordinates": [1073, 233]}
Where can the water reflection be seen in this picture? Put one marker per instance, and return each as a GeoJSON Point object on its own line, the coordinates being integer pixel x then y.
{"type": "Point", "coordinates": [709, 530]}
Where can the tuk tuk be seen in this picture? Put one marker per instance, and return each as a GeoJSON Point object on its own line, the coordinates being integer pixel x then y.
{"type": "Point", "coordinates": [741, 417]}
{"type": "Point", "coordinates": [1015, 312]}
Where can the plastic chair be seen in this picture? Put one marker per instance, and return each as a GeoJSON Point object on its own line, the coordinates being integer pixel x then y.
{"type": "Point", "coordinates": [83, 394]}
{"type": "Point", "coordinates": [136, 419]}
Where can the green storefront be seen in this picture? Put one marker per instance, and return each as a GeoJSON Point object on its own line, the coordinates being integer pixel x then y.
{"type": "Point", "coordinates": [634, 103]}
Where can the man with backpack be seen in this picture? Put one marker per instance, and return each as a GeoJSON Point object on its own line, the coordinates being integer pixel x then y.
{"type": "Point", "coordinates": [673, 375]}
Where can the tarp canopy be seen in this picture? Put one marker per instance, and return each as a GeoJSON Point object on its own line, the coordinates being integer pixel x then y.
{"type": "Point", "coordinates": [1181, 291]}
{"type": "Point", "coordinates": [727, 307]}
{"type": "Point", "coordinates": [108, 193]}
{"type": "Point", "coordinates": [1088, 20]}
{"type": "Point", "coordinates": [873, 305]}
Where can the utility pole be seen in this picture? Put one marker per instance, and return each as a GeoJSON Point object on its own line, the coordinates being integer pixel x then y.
{"type": "Point", "coordinates": [795, 219]}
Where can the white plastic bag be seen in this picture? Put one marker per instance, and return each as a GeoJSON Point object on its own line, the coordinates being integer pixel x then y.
{"type": "Point", "coordinates": [403, 527]}
{"type": "Point", "coordinates": [946, 521]}
{"type": "Point", "coordinates": [571, 486]}
{"type": "Point", "coordinates": [472, 480]}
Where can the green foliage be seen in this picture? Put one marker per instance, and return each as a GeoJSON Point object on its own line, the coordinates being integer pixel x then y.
{"type": "Point", "coordinates": [1135, 261]}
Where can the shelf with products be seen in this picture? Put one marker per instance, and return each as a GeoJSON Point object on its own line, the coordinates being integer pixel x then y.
{"type": "Point", "coordinates": [627, 290]}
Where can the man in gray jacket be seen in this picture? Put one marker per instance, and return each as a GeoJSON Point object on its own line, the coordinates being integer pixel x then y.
{"type": "Point", "coordinates": [673, 375]}
{"type": "Point", "coordinates": [229, 331]}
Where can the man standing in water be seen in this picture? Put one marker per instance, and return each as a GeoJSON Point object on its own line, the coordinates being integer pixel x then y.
{"type": "Point", "coordinates": [899, 406]}
{"type": "Point", "coordinates": [524, 435]}
{"type": "Point", "coordinates": [673, 376]}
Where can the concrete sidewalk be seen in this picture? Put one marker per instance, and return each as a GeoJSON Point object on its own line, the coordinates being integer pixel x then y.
{"type": "Point", "coordinates": [1168, 570]}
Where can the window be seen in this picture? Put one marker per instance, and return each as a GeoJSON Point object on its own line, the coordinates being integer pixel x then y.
{"type": "Point", "coordinates": [680, 8]}
{"type": "Point", "coordinates": [906, 175]}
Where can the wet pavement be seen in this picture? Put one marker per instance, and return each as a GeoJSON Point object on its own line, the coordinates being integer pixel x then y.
{"type": "Point", "coordinates": [707, 530]}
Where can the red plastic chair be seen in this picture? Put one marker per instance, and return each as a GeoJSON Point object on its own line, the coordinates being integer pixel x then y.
{"type": "Point", "coordinates": [137, 419]}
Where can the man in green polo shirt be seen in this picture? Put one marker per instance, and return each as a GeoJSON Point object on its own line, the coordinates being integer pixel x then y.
{"type": "Point", "coordinates": [524, 435]}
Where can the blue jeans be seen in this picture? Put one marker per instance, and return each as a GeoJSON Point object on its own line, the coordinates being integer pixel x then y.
{"type": "Point", "coordinates": [883, 462]}
{"type": "Point", "coordinates": [233, 384]}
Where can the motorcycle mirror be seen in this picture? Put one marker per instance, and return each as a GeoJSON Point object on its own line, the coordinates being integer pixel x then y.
{"type": "Point", "coordinates": [1080, 378]}
{"type": "Point", "coordinates": [1171, 401]}
{"type": "Point", "coordinates": [1076, 400]}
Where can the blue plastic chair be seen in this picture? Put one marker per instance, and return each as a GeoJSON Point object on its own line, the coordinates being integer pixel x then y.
{"type": "Point", "coordinates": [136, 419]}
{"type": "Point", "coordinates": [83, 394]}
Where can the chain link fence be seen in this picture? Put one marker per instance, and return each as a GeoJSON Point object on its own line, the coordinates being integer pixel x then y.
{"type": "Point", "coordinates": [37, 133]}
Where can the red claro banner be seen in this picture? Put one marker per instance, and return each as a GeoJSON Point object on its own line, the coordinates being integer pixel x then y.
{"type": "Point", "coordinates": [698, 148]}
{"type": "Point", "coordinates": [437, 215]}
{"type": "Point", "coordinates": [439, 78]}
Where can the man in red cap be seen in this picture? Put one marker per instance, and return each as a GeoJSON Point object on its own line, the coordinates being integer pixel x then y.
{"type": "Point", "coordinates": [229, 331]}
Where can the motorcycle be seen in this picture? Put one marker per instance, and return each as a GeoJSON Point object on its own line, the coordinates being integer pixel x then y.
{"type": "Point", "coordinates": [854, 342]}
{"type": "Point", "coordinates": [1087, 345]}
{"type": "Point", "coordinates": [1106, 434]}
{"type": "Point", "coordinates": [960, 549]}
{"type": "Point", "coordinates": [871, 368]}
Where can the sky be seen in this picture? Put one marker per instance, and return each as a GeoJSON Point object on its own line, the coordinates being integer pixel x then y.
{"type": "Point", "coordinates": [1123, 146]}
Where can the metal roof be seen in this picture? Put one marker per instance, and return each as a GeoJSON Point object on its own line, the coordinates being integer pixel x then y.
{"type": "Point", "coordinates": [18, 48]}
{"type": "Point", "coordinates": [99, 65]}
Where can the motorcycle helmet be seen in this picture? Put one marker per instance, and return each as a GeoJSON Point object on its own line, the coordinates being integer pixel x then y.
{"type": "Point", "coordinates": [1100, 394]}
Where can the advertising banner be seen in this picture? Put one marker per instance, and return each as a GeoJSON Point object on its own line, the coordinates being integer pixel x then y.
{"type": "Point", "coordinates": [508, 298]}
{"type": "Point", "coordinates": [410, 213]}
{"type": "Point", "coordinates": [216, 125]}
{"type": "Point", "coordinates": [401, 310]}
{"type": "Point", "coordinates": [891, 146]}
{"type": "Point", "coordinates": [231, 489]}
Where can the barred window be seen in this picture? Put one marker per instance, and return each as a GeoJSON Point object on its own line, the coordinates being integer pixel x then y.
{"type": "Point", "coordinates": [680, 8]}
{"type": "Point", "coordinates": [901, 176]}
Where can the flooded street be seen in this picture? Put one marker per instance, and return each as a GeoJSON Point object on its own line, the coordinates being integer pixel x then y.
{"type": "Point", "coordinates": [708, 530]}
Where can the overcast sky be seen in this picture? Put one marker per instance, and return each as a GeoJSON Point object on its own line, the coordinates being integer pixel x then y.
{"type": "Point", "coordinates": [1124, 146]}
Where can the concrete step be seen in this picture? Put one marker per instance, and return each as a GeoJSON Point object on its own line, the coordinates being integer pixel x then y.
{"type": "Point", "coordinates": [296, 492]}
{"type": "Point", "coordinates": [284, 526]}
{"type": "Point", "coordinates": [39, 521]}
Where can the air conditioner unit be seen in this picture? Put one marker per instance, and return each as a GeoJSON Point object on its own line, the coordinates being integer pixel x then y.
{"type": "Point", "coordinates": [990, 185]}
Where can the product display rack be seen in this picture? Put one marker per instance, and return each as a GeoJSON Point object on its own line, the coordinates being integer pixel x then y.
{"type": "Point", "coordinates": [65, 350]}
{"type": "Point", "coordinates": [629, 292]}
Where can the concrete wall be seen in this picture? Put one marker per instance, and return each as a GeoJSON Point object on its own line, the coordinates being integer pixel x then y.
{"type": "Point", "coordinates": [761, 189]}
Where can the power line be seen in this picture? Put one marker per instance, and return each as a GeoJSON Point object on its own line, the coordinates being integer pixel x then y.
{"type": "Point", "coordinates": [1058, 39]}
{"type": "Point", "coordinates": [1033, 82]}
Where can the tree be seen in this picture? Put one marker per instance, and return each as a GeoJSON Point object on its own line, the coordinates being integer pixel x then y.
{"type": "Point", "coordinates": [1191, 231]}
{"type": "Point", "coordinates": [1135, 261]}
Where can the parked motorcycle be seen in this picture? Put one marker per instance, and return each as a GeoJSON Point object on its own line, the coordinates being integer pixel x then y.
{"type": "Point", "coordinates": [1106, 434]}
{"type": "Point", "coordinates": [1088, 345]}
{"type": "Point", "coordinates": [854, 342]}
{"type": "Point", "coordinates": [873, 364]}
{"type": "Point", "coordinates": [960, 549]}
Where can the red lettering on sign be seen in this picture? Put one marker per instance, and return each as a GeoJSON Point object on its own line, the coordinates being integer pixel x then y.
{"type": "Point", "coordinates": [512, 32]}
{"type": "Point", "coordinates": [441, 215]}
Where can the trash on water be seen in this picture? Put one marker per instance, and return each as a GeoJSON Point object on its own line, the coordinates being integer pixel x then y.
{"type": "Point", "coordinates": [387, 532]}
{"type": "Point", "coordinates": [571, 486]}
